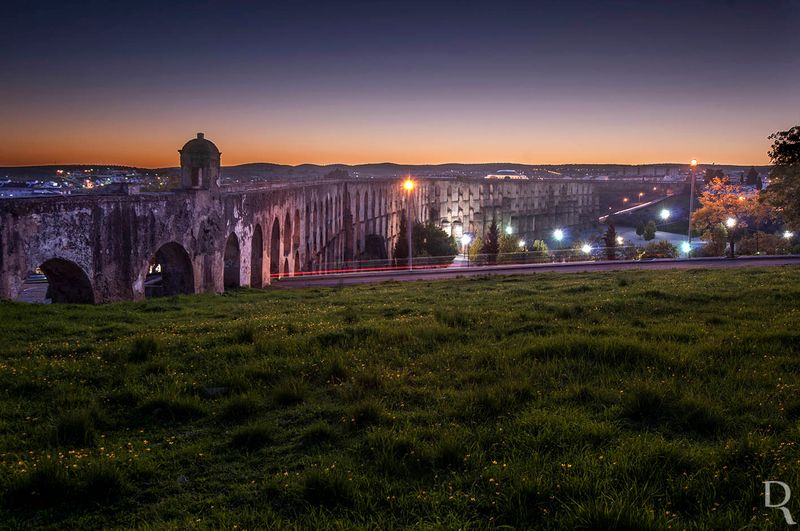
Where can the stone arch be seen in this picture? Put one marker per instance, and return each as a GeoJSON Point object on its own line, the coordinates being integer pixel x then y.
{"type": "Point", "coordinates": [232, 258]}
{"type": "Point", "coordinates": [67, 282]}
{"type": "Point", "coordinates": [296, 230]}
{"type": "Point", "coordinates": [297, 261]}
{"type": "Point", "coordinates": [287, 235]}
{"type": "Point", "coordinates": [257, 258]}
{"type": "Point", "coordinates": [169, 272]}
{"type": "Point", "coordinates": [275, 248]}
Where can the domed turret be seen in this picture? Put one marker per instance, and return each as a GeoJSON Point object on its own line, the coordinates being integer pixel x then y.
{"type": "Point", "coordinates": [200, 160]}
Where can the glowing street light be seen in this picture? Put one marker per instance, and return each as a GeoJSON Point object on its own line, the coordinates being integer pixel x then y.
{"type": "Point", "coordinates": [686, 248]}
{"type": "Point", "coordinates": [408, 186]}
{"type": "Point", "coordinates": [586, 248]}
{"type": "Point", "coordinates": [730, 223]}
{"type": "Point", "coordinates": [466, 239]}
{"type": "Point", "coordinates": [509, 230]}
{"type": "Point", "coordinates": [521, 244]}
{"type": "Point", "coordinates": [620, 240]}
{"type": "Point", "coordinates": [665, 214]}
{"type": "Point", "coordinates": [788, 234]}
{"type": "Point", "coordinates": [693, 165]}
{"type": "Point", "coordinates": [558, 234]}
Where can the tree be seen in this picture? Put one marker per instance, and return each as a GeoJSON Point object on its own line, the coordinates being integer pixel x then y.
{"type": "Point", "coordinates": [540, 251]}
{"type": "Point", "coordinates": [430, 240]}
{"type": "Point", "coordinates": [610, 240]}
{"type": "Point", "coordinates": [712, 173]}
{"type": "Point", "coordinates": [639, 229]}
{"type": "Point", "coordinates": [491, 245]}
{"type": "Point", "coordinates": [401, 246]}
{"type": "Point", "coordinates": [508, 248]}
{"type": "Point", "coordinates": [475, 250]}
{"type": "Point", "coordinates": [650, 230]}
{"type": "Point", "coordinates": [722, 200]}
{"type": "Point", "coordinates": [783, 192]}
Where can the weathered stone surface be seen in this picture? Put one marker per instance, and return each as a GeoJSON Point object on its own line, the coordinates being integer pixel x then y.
{"type": "Point", "coordinates": [97, 248]}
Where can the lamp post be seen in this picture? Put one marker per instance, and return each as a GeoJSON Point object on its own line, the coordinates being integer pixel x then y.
{"type": "Point", "coordinates": [691, 199]}
{"type": "Point", "coordinates": [731, 224]}
{"type": "Point", "coordinates": [408, 185]}
{"type": "Point", "coordinates": [466, 239]}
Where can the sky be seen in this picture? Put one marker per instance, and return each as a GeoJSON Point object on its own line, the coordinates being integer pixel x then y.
{"type": "Point", "coordinates": [402, 81]}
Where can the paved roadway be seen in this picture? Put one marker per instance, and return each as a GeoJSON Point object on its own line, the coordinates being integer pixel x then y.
{"type": "Point", "coordinates": [518, 269]}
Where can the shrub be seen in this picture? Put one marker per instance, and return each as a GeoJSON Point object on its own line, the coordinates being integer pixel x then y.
{"type": "Point", "coordinates": [660, 249]}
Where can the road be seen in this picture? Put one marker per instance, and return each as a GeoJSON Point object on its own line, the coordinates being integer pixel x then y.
{"type": "Point", "coordinates": [521, 269]}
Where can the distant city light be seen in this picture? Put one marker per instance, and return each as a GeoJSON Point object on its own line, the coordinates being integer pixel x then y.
{"type": "Point", "coordinates": [408, 184]}
{"type": "Point", "coordinates": [686, 247]}
{"type": "Point", "coordinates": [586, 248]}
{"type": "Point", "coordinates": [788, 234]}
{"type": "Point", "coordinates": [624, 199]}
{"type": "Point", "coordinates": [730, 223]}
{"type": "Point", "coordinates": [665, 214]}
{"type": "Point", "coordinates": [558, 234]}
{"type": "Point", "coordinates": [509, 230]}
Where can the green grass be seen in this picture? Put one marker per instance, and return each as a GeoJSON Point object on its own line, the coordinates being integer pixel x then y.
{"type": "Point", "coordinates": [633, 400]}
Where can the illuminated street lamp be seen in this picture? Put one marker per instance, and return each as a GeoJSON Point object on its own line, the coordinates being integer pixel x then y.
{"type": "Point", "coordinates": [665, 214]}
{"type": "Point", "coordinates": [509, 230]}
{"type": "Point", "coordinates": [686, 248]}
{"type": "Point", "coordinates": [522, 244]}
{"type": "Point", "coordinates": [586, 248]}
{"type": "Point", "coordinates": [558, 234]}
{"type": "Point", "coordinates": [620, 240]}
{"type": "Point", "coordinates": [788, 234]}
{"type": "Point", "coordinates": [691, 197]}
{"type": "Point", "coordinates": [466, 239]}
{"type": "Point", "coordinates": [408, 186]}
{"type": "Point", "coordinates": [731, 224]}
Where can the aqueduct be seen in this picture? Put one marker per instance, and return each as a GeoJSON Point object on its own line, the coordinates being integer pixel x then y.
{"type": "Point", "coordinates": [206, 237]}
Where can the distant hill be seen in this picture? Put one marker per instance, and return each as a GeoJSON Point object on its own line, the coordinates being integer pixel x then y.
{"type": "Point", "coordinates": [269, 171]}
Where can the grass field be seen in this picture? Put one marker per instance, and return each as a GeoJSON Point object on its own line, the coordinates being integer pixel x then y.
{"type": "Point", "coordinates": [629, 400]}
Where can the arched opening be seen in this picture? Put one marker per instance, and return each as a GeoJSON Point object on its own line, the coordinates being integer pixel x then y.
{"type": "Point", "coordinates": [296, 230]}
{"type": "Point", "coordinates": [57, 281]}
{"type": "Point", "coordinates": [287, 235]}
{"type": "Point", "coordinates": [169, 272]}
{"type": "Point", "coordinates": [257, 258]}
{"type": "Point", "coordinates": [275, 248]}
{"type": "Point", "coordinates": [297, 261]}
{"type": "Point", "coordinates": [231, 274]}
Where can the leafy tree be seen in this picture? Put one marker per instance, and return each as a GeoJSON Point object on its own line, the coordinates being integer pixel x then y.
{"type": "Point", "coordinates": [610, 240]}
{"type": "Point", "coordinates": [401, 246]}
{"type": "Point", "coordinates": [539, 251]}
{"type": "Point", "coordinates": [640, 229]}
{"type": "Point", "coordinates": [722, 200]}
{"type": "Point", "coordinates": [475, 250]}
{"type": "Point", "coordinates": [711, 174]}
{"type": "Point", "coordinates": [491, 245]}
{"type": "Point", "coordinates": [649, 230]}
{"type": "Point", "coordinates": [783, 191]}
{"type": "Point", "coordinates": [430, 240]}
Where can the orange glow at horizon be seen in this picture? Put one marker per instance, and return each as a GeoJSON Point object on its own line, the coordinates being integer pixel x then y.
{"type": "Point", "coordinates": [295, 145]}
